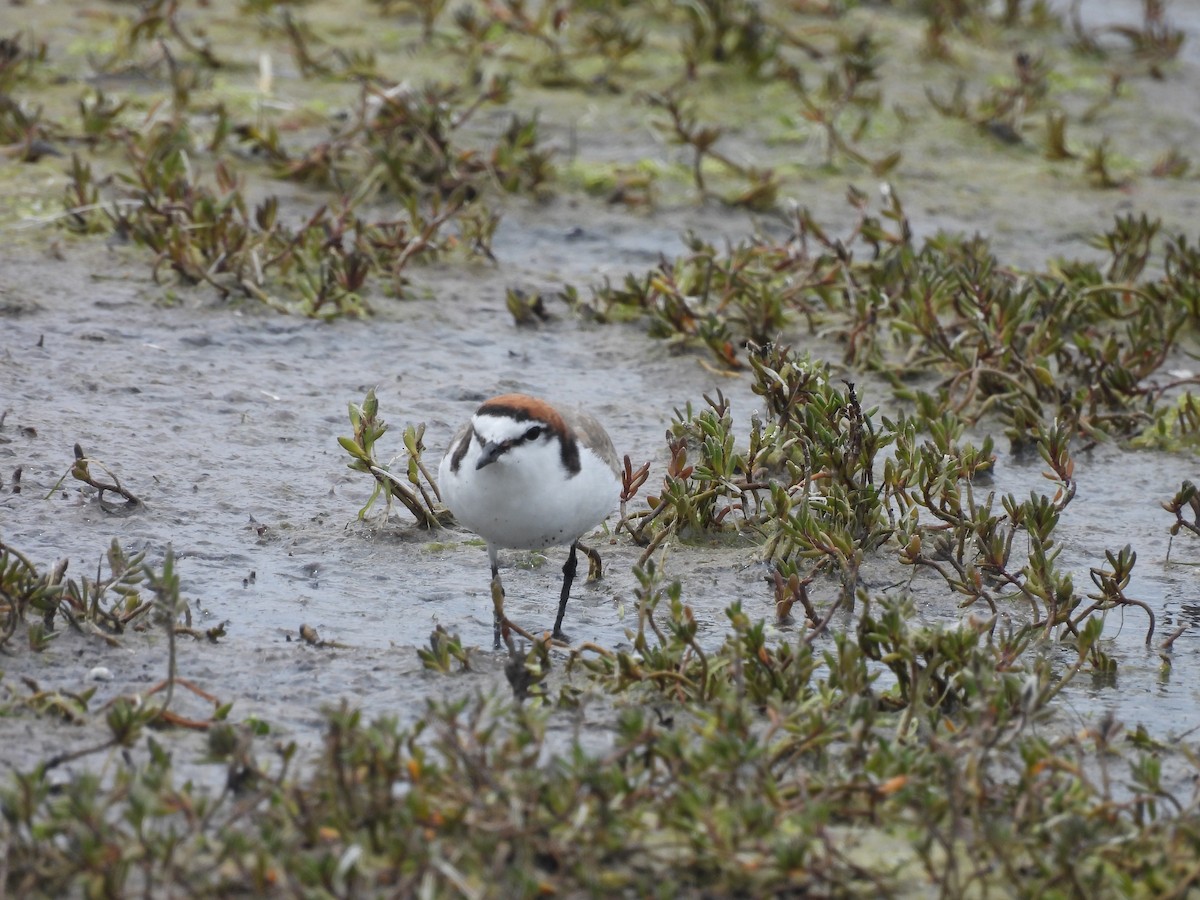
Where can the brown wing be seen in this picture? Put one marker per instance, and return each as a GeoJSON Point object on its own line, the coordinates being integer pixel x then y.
{"type": "Point", "coordinates": [593, 434]}
{"type": "Point", "coordinates": [458, 447]}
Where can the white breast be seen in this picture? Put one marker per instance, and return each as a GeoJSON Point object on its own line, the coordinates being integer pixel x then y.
{"type": "Point", "coordinates": [526, 499]}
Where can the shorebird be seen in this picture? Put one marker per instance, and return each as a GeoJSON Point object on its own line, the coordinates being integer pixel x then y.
{"type": "Point", "coordinates": [523, 475]}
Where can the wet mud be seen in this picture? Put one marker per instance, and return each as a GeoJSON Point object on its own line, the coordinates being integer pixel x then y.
{"type": "Point", "coordinates": [224, 419]}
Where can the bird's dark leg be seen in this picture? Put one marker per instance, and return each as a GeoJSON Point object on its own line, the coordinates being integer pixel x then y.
{"type": "Point", "coordinates": [569, 568]}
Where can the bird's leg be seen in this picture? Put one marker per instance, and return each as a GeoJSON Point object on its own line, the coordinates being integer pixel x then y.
{"type": "Point", "coordinates": [497, 598]}
{"type": "Point", "coordinates": [595, 569]}
{"type": "Point", "coordinates": [498, 614]}
{"type": "Point", "coordinates": [569, 568]}
{"type": "Point", "coordinates": [501, 624]}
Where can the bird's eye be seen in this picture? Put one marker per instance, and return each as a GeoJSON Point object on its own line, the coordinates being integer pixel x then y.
{"type": "Point", "coordinates": [533, 433]}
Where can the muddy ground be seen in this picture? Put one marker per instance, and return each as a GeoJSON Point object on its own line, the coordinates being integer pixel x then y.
{"type": "Point", "coordinates": [224, 420]}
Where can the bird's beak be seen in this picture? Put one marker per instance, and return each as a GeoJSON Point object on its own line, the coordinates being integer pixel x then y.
{"type": "Point", "coordinates": [491, 453]}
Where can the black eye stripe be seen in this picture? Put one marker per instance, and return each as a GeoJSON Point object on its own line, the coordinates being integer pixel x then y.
{"type": "Point", "coordinates": [531, 434]}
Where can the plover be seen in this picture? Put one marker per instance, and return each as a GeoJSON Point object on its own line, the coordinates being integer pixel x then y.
{"type": "Point", "coordinates": [524, 476]}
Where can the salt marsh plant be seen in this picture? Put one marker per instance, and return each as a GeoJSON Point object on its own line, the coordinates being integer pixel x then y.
{"type": "Point", "coordinates": [809, 489]}
{"type": "Point", "coordinates": [205, 231]}
{"type": "Point", "coordinates": [416, 489]}
{"type": "Point", "coordinates": [757, 766]}
{"type": "Point", "coordinates": [170, 172]}
{"type": "Point", "coordinates": [81, 470]}
{"type": "Point", "coordinates": [1080, 344]}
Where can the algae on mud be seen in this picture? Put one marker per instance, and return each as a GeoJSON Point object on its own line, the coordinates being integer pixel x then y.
{"type": "Point", "coordinates": [906, 749]}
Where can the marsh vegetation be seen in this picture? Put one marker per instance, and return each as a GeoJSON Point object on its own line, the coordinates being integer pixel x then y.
{"type": "Point", "coordinates": [905, 394]}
